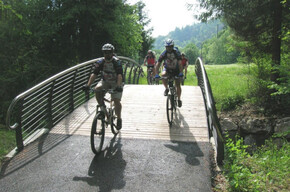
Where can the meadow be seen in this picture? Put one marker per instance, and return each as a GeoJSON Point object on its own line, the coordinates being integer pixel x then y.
{"type": "Point", "coordinates": [230, 83]}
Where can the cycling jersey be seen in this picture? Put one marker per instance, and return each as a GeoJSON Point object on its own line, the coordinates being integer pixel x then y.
{"type": "Point", "coordinates": [150, 60]}
{"type": "Point", "coordinates": [184, 62]}
{"type": "Point", "coordinates": [170, 59]}
{"type": "Point", "coordinates": [110, 69]}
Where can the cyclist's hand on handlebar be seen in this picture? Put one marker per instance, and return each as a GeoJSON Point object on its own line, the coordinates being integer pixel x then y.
{"type": "Point", "coordinates": [157, 76]}
{"type": "Point", "coordinates": [180, 74]}
{"type": "Point", "coordinates": [119, 89]}
{"type": "Point", "coordinates": [184, 77]}
{"type": "Point", "coordinates": [86, 88]}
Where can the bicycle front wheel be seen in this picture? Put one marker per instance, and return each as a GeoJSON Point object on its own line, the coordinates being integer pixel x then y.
{"type": "Point", "coordinates": [170, 108]}
{"type": "Point", "coordinates": [97, 134]}
{"type": "Point", "coordinates": [113, 122]}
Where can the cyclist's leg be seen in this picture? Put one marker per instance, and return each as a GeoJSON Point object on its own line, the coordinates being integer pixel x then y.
{"type": "Point", "coordinates": [178, 89]}
{"type": "Point", "coordinates": [165, 82]}
{"type": "Point", "coordinates": [99, 94]}
{"type": "Point", "coordinates": [116, 97]}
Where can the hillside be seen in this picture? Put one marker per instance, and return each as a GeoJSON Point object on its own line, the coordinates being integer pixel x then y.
{"type": "Point", "coordinates": [196, 33]}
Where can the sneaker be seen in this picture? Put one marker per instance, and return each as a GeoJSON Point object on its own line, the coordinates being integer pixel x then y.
{"type": "Point", "coordinates": [166, 92]}
{"type": "Point", "coordinates": [119, 124]}
{"type": "Point", "coordinates": [179, 103]}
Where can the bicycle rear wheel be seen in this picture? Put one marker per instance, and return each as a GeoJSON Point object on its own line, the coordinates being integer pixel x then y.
{"type": "Point", "coordinates": [113, 122]}
{"type": "Point", "coordinates": [97, 134]}
{"type": "Point", "coordinates": [170, 108]}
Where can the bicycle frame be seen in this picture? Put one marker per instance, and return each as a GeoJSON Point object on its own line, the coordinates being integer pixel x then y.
{"type": "Point", "coordinates": [171, 103]}
{"type": "Point", "coordinates": [109, 112]}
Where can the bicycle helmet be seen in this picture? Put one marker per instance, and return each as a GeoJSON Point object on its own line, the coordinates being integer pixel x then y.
{"type": "Point", "coordinates": [108, 47]}
{"type": "Point", "coordinates": [183, 54]}
{"type": "Point", "coordinates": [169, 42]}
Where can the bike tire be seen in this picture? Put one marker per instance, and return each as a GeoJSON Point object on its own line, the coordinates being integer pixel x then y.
{"type": "Point", "coordinates": [97, 135]}
{"type": "Point", "coordinates": [182, 81]}
{"type": "Point", "coordinates": [113, 122]}
{"type": "Point", "coordinates": [170, 108]}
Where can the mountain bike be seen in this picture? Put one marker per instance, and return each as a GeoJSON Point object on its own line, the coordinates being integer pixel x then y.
{"type": "Point", "coordinates": [150, 78]}
{"type": "Point", "coordinates": [101, 121]}
{"type": "Point", "coordinates": [171, 101]}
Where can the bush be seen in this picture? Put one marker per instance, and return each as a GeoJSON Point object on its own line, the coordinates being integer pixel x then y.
{"type": "Point", "coordinates": [231, 102]}
{"type": "Point", "coordinates": [266, 170]}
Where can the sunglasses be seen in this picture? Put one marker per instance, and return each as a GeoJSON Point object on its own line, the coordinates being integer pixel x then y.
{"type": "Point", "coordinates": [108, 52]}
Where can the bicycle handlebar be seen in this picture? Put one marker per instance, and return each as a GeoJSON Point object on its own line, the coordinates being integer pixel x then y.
{"type": "Point", "coordinates": [171, 77]}
{"type": "Point", "coordinates": [110, 91]}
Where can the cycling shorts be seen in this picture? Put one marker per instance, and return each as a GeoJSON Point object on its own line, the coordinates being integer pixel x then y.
{"type": "Point", "coordinates": [171, 72]}
{"type": "Point", "coordinates": [105, 85]}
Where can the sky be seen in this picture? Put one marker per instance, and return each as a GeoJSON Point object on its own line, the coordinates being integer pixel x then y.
{"type": "Point", "coordinates": [166, 15]}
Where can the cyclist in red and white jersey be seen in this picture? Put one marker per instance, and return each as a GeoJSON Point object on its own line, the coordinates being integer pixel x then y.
{"type": "Point", "coordinates": [150, 60]}
{"type": "Point", "coordinates": [184, 63]}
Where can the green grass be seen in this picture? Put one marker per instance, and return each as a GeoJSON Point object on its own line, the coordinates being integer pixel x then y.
{"type": "Point", "coordinates": [266, 170]}
{"type": "Point", "coordinates": [7, 141]}
{"type": "Point", "coordinates": [230, 83]}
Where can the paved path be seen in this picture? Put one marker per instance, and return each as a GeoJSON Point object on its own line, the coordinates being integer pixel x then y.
{"type": "Point", "coordinates": [146, 156]}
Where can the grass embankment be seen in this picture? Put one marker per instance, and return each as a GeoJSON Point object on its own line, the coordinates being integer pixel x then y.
{"type": "Point", "coordinates": [7, 141]}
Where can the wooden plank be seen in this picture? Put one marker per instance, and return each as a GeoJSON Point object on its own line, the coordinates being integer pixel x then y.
{"type": "Point", "coordinates": [144, 116]}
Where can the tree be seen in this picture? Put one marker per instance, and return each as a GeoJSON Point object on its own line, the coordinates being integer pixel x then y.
{"type": "Point", "coordinates": [147, 39]}
{"type": "Point", "coordinates": [257, 21]}
{"type": "Point", "coordinates": [42, 37]}
{"type": "Point", "coordinates": [191, 51]}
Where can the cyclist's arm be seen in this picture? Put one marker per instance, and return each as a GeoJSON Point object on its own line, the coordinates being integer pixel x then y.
{"type": "Point", "coordinates": [92, 79]}
{"type": "Point", "coordinates": [119, 80]}
{"type": "Point", "coordinates": [157, 67]}
{"type": "Point", "coordinates": [145, 61]}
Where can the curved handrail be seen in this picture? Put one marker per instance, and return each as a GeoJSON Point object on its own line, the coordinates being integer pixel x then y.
{"type": "Point", "coordinates": [51, 100]}
{"type": "Point", "coordinates": [212, 119]}
{"type": "Point", "coordinates": [36, 87]}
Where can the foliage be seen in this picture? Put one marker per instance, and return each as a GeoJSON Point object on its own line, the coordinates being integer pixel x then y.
{"type": "Point", "coordinates": [7, 141]}
{"type": "Point", "coordinates": [266, 170]}
{"type": "Point", "coordinates": [147, 39]}
{"type": "Point", "coordinates": [220, 50]}
{"type": "Point", "coordinates": [261, 28]}
{"type": "Point", "coordinates": [191, 52]}
{"type": "Point", "coordinates": [40, 38]}
{"type": "Point", "coordinates": [196, 33]}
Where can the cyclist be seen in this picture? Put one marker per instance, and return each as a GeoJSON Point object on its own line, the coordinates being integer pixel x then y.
{"type": "Point", "coordinates": [172, 67]}
{"type": "Point", "coordinates": [150, 60]}
{"type": "Point", "coordinates": [111, 70]}
{"type": "Point", "coordinates": [184, 62]}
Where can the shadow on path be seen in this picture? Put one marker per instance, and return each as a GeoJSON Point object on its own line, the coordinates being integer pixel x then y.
{"type": "Point", "coordinates": [106, 170]}
{"type": "Point", "coordinates": [191, 150]}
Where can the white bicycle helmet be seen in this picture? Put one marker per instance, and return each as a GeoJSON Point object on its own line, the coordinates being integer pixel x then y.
{"type": "Point", "coordinates": [108, 47]}
{"type": "Point", "coordinates": [169, 42]}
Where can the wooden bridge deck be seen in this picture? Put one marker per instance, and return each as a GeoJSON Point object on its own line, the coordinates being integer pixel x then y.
{"type": "Point", "coordinates": [144, 116]}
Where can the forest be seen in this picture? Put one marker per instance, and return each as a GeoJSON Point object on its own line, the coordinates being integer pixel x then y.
{"type": "Point", "coordinates": [41, 38]}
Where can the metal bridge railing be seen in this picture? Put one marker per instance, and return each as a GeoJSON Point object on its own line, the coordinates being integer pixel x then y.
{"type": "Point", "coordinates": [214, 127]}
{"type": "Point", "coordinates": [45, 104]}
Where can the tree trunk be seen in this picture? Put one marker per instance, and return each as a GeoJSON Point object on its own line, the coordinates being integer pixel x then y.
{"type": "Point", "coordinates": [276, 40]}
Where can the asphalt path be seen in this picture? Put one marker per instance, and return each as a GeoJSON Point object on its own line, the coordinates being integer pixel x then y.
{"type": "Point", "coordinates": [58, 162]}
